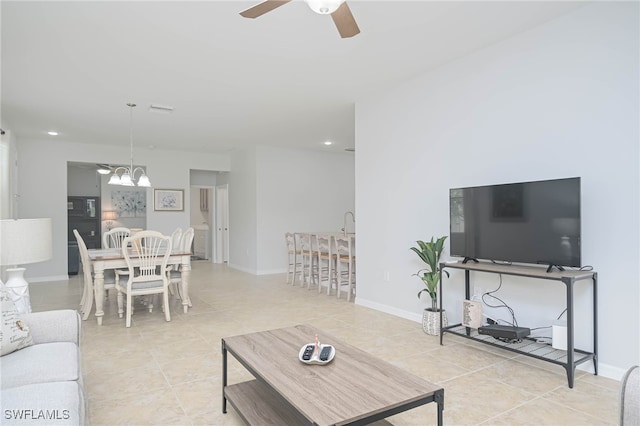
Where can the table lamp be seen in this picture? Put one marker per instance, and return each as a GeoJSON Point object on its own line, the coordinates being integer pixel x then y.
{"type": "Point", "coordinates": [109, 216]}
{"type": "Point", "coordinates": [23, 241]}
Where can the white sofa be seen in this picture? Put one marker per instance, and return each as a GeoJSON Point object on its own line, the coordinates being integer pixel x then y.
{"type": "Point", "coordinates": [42, 383]}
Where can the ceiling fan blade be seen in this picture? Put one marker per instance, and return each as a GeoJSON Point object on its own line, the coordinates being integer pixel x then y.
{"type": "Point", "coordinates": [345, 21]}
{"type": "Point", "coordinates": [262, 8]}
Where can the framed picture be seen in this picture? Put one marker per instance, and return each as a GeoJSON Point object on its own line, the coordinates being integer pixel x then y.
{"type": "Point", "coordinates": [168, 200]}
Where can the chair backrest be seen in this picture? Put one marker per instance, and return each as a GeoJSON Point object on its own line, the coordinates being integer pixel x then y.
{"type": "Point", "coordinates": [291, 241]}
{"type": "Point", "coordinates": [114, 237]}
{"type": "Point", "coordinates": [176, 237]}
{"type": "Point", "coordinates": [151, 250]}
{"type": "Point", "coordinates": [323, 245]}
{"type": "Point", "coordinates": [305, 242]}
{"type": "Point", "coordinates": [84, 258]}
{"type": "Point", "coordinates": [344, 246]}
{"type": "Point", "coordinates": [187, 240]}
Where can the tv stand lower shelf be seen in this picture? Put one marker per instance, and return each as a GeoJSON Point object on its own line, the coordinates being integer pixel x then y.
{"type": "Point", "coordinates": [527, 346]}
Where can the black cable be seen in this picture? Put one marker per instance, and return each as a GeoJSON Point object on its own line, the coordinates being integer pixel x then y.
{"type": "Point", "coordinates": [582, 268]}
{"type": "Point", "coordinates": [504, 305]}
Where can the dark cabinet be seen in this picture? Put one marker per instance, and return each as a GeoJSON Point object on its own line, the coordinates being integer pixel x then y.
{"type": "Point", "coordinates": [83, 214]}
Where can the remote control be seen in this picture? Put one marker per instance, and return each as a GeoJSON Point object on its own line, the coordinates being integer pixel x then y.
{"type": "Point", "coordinates": [308, 351]}
{"type": "Point", "coordinates": [324, 353]}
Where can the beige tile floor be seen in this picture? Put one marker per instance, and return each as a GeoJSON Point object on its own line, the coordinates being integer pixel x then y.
{"type": "Point", "coordinates": [169, 373]}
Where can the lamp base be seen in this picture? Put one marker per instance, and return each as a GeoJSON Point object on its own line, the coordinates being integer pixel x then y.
{"type": "Point", "coordinates": [18, 290]}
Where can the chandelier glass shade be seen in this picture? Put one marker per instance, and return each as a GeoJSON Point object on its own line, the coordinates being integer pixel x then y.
{"type": "Point", "coordinates": [126, 176]}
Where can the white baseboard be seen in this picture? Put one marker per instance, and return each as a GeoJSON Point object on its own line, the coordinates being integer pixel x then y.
{"type": "Point", "coordinates": [412, 316]}
{"type": "Point", "coordinates": [604, 370]}
{"type": "Point", "coordinates": [241, 268]}
{"type": "Point", "coordinates": [260, 272]}
{"type": "Point", "coordinates": [36, 280]}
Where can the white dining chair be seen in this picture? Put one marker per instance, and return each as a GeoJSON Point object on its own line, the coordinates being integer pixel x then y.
{"type": "Point", "coordinates": [86, 302]}
{"type": "Point", "coordinates": [147, 263]}
{"type": "Point", "coordinates": [113, 238]}
{"type": "Point", "coordinates": [176, 237]}
{"type": "Point", "coordinates": [175, 274]}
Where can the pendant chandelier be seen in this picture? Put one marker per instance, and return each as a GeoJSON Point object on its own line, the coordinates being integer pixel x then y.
{"type": "Point", "coordinates": [128, 174]}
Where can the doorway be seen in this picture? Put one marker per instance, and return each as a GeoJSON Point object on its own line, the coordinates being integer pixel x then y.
{"type": "Point", "coordinates": [222, 224]}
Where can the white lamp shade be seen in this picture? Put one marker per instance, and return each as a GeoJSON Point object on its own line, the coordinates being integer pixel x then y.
{"type": "Point", "coordinates": [125, 179]}
{"type": "Point", "coordinates": [144, 181]}
{"type": "Point", "coordinates": [109, 215]}
{"type": "Point", "coordinates": [24, 241]}
{"type": "Point", "coordinates": [114, 180]}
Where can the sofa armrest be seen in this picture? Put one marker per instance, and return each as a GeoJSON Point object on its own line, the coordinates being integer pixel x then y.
{"type": "Point", "coordinates": [54, 326]}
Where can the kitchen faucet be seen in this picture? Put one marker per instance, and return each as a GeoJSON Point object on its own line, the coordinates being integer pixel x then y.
{"type": "Point", "coordinates": [344, 229]}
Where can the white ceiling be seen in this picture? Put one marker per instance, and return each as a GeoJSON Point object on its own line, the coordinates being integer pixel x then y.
{"type": "Point", "coordinates": [284, 79]}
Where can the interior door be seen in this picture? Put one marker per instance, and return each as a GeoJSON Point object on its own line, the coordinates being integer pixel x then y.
{"type": "Point", "coordinates": [222, 224]}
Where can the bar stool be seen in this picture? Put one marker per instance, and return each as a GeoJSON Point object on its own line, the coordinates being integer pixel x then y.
{"type": "Point", "coordinates": [326, 262]}
{"type": "Point", "coordinates": [294, 260]}
{"type": "Point", "coordinates": [346, 258]}
{"type": "Point", "coordinates": [308, 256]}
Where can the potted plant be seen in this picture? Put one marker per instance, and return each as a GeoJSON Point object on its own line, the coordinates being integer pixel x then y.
{"type": "Point", "coordinates": [429, 252]}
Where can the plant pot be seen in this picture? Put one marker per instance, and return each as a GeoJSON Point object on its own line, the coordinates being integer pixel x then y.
{"type": "Point", "coordinates": [431, 321]}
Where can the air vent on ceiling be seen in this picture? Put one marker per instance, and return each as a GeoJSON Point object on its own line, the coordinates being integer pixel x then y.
{"type": "Point", "coordinates": [161, 109]}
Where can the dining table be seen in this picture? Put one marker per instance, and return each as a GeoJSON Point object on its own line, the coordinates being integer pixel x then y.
{"type": "Point", "coordinates": [113, 258]}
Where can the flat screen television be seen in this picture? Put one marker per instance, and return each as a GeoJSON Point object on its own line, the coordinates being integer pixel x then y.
{"type": "Point", "coordinates": [524, 222]}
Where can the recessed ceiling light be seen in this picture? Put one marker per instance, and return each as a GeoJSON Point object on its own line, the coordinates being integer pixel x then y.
{"type": "Point", "coordinates": [52, 133]}
{"type": "Point", "coordinates": [327, 143]}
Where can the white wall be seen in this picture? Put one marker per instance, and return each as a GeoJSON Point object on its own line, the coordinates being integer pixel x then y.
{"type": "Point", "coordinates": [557, 101]}
{"type": "Point", "coordinates": [83, 182]}
{"type": "Point", "coordinates": [242, 210]}
{"type": "Point", "coordinates": [299, 191]}
{"type": "Point", "coordinates": [277, 190]}
{"type": "Point", "coordinates": [46, 195]}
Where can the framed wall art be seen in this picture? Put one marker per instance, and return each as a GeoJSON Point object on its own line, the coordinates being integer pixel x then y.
{"type": "Point", "coordinates": [168, 200]}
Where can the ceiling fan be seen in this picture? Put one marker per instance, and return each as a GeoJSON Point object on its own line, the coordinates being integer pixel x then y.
{"type": "Point", "coordinates": [338, 9]}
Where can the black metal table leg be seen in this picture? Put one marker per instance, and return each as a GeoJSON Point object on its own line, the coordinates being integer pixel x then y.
{"type": "Point", "coordinates": [595, 323]}
{"type": "Point", "coordinates": [571, 367]}
{"type": "Point", "coordinates": [224, 376]}
{"type": "Point", "coordinates": [439, 399]}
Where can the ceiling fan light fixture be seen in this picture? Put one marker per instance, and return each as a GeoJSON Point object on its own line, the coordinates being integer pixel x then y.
{"type": "Point", "coordinates": [324, 7]}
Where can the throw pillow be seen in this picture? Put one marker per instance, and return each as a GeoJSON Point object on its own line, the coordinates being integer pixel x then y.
{"type": "Point", "coordinates": [14, 333]}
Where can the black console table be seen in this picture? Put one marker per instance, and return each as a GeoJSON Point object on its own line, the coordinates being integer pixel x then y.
{"type": "Point", "coordinates": [570, 358]}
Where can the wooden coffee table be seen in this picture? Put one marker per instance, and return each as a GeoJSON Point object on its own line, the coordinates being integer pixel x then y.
{"type": "Point", "coordinates": [355, 388]}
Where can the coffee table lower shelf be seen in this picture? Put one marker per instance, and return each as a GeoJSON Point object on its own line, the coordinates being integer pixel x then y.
{"type": "Point", "coordinates": [257, 405]}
